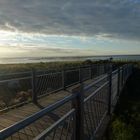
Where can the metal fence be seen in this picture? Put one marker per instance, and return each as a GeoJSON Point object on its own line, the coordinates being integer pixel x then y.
{"type": "Point", "coordinates": [79, 115]}
{"type": "Point", "coordinates": [19, 88]}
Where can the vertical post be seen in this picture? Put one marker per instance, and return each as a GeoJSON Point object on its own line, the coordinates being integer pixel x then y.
{"type": "Point", "coordinates": [110, 90]}
{"type": "Point", "coordinates": [64, 79]}
{"type": "Point", "coordinates": [97, 69]}
{"type": "Point", "coordinates": [78, 104]}
{"type": "Point", "coordinates": [118, 88]}
{"type": "Point", "coordinates": [91, 69]}
{"type": "Point", "coordinates": [103, 72]}
{"type": "Point", "coordinates": [122, 76]}
{"type": "Point", "coordinates": [98, 65]}
{"type": "Point", "coordinates": [125, 73]}
{"type": "Point", "coordinates": [80, 74]}
{"type": "Point", "coordinates": [34, 93]}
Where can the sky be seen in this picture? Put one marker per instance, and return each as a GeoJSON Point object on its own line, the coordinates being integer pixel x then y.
{"type": "Point", "coordinates": [49, 28]}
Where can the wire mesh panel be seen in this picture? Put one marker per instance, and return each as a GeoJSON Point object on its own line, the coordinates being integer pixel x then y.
{"type": "Point", "coordinates": [106, 68]}
{"type": "Point", "coordinates": [114, 88]}
{"type": "Point", "coordinates": [47, 83]}
{"type": "Point", "coordinates": [95, 85]}
{"type": "Point", "coordinates": [71, 77]}
{"type": "Point", "coordinates": [86, 73]}
{"type": "Point", "coordinates": [94, 71]}
{"type": "Point", "coordinates": [15, 75]}
{"type": "Point", "coordinates": [63, 129]}
{"type": "Point", "coordinates": [101, 69]}
{"type": "Point", "coordinates": [98, 70]}
{"type": "Point", "coordinates": [95, 109]}
{"type": "Point", "coordinates": [126, 72]}
{"type": "Point", "coordinates": [121, 76]}
{"type": "Point", "coordinates": [15, 91]}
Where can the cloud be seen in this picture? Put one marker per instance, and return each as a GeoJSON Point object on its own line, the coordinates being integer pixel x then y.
{"type": "Point", "coordinates": [115, 18]}
{"type": "Point", "coordinates": [39, 51]}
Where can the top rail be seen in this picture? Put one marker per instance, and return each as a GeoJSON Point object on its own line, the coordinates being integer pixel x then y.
{"type": "Point", "coordinates": [95, 92]}
{"type": "Point", "coordinates": [95, 82]}
{"type": "Point", "coordinates": [55, 125]}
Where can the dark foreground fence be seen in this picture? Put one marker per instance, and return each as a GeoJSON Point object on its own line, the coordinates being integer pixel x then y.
{"type": "Point", "coordinates": [80, 115]}
{"type": "Point", "coordinates": [19, 88]}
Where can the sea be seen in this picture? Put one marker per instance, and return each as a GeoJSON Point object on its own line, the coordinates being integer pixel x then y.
{"type": "Point", "coordinates": [17, 60]}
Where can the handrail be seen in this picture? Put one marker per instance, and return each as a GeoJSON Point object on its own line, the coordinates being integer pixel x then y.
{"type": "Point", "coordinates": [115, 71]}
{"type": "Point", "coordinates": [15, 73]}
{"type": "Point", "coordinates": [15, 79]}
{"type": "Point", "coordinates": [48, 71]}
{"type": "Point", "coordinates": [50, 129]}
{"type": "Point", "coordinates": [95, 82]}
{"type": "Point", "coordinates": [98, 89]}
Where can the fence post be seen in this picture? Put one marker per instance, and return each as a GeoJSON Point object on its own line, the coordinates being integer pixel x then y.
{"type": "Point", "coordinates": [110, 90]}
{"type": "Point", "coordinates": [64, 79]}
{"type": "Point", "coordinates": [34, 93]}
{"type": "Point", "coordinates": [98, 69]}
{"type": "Point", "coordinates": [125, 74]}
{"type": "Point", "coordinates": [80, 74]}
{"type": "Point", "coordinates": [91, 68]}
{"type": "Point", "coordinates": [122, 75]}
{"type": "Point", "coordinates": [78, 104]}
{"type": "Point", "coordinates": [118, 88]}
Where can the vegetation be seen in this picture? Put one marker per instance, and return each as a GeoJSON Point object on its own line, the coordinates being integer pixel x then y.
{"type": "Point", "coordinates": [10, 68]}
{"type": "Point", "coordinates": [121, 131]}
{"type": "Point", "coordinates": [4, 68]}
{"type": "Point", "coordinates": [125, 124]}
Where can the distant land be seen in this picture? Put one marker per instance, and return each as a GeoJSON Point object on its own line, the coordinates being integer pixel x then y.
{"type": "Point", "coordinates": [16, 60]}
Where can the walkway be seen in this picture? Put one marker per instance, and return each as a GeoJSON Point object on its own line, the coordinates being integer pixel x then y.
{"type": "Point", "coordinates": [15, 115]}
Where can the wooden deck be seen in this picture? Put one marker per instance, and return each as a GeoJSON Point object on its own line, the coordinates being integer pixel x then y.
{"type": "Point", "coordinates": [17, 114]}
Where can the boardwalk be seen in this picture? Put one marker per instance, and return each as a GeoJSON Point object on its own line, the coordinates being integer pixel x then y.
{"type": "Point", "coordinates": [95, 109]}
{"type": "Point", "coordinates": [15, 115]}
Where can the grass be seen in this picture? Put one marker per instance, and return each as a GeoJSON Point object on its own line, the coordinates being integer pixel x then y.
{"type": "Point", "coordinates": [4, 68]}
{"type": "Point", "coordinates": [10, 68]}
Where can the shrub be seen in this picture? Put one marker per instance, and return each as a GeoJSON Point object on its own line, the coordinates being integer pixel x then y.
{"type": "Point", "coordinates": [121, 131]}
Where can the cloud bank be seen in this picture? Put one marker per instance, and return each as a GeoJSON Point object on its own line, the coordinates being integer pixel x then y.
{"type": "Point", "coordinates": [112, 18]}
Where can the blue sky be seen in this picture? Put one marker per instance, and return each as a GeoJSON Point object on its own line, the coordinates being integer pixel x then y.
{"type": "Point", "coordinates": [69, 28]}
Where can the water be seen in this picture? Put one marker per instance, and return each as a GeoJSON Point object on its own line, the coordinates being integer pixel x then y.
{"type": "Point", "coordinates": [54, 59]}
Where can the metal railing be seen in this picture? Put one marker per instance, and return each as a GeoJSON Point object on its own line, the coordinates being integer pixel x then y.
{"type": "Point", "coordinates": [77, 116]}
{"type": "Point", "coordinates": [20, 88]}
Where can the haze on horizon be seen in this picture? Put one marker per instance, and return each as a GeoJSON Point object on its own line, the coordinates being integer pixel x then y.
{"type": "Point", "coordinates": [45, 28]}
